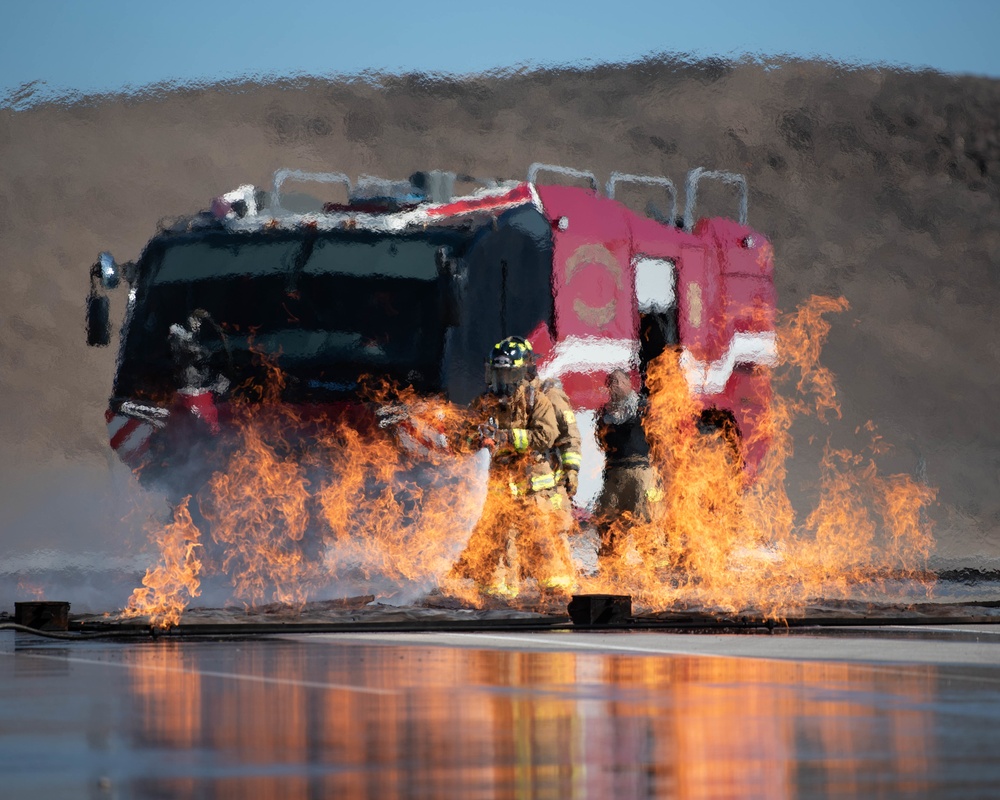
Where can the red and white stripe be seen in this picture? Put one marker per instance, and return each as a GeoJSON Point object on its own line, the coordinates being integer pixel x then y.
{"type": "Point", "coordinates": [589, 354]}
{"type": "Point", "coordinates": [130, 432]}
{"type": "Point", "coordinates": [486, 201]}
{"type": "Point", "coordinates": [746, 347]}
{"type": "Point", "coordinates": [483, 201]}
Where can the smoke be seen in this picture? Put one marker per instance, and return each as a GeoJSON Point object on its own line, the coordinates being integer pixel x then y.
{"type": "Point", "coordinates": [69, 534]}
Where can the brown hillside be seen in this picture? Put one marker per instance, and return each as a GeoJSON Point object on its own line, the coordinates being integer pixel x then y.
{"type": "Point", "coordinates": [879, 186]}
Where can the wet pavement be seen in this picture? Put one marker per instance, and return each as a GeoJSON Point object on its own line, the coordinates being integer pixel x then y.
{"type": "Point", "coordinates": [862, 711]}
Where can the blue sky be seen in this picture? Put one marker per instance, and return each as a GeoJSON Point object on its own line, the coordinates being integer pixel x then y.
{"type": "Point", "coordinates": [83, 47]}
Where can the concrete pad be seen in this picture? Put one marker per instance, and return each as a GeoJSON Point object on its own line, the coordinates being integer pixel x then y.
{"type": "Point", "coordinates": [848, 712]}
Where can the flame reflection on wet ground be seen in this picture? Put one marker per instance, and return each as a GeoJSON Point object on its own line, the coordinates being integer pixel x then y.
{"type": "Point", "coordinates": [564, 715]}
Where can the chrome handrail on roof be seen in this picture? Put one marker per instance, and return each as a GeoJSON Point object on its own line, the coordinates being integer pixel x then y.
{"type": "Point", "coordinates": [691, 192]}
{"type": "Point", "coordinates": [283, 175]}
{"type": "Point", "coordinates": [653, 180]}
{"type": "Point", "coordinates": [535, 168]}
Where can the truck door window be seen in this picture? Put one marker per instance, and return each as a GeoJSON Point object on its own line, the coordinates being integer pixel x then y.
{"type": "Point", "coordinates": [654, 285]}
{"type": "Point", "coordinates": [656, 299]}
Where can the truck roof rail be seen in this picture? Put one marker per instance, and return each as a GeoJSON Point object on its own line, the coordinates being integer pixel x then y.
{"type": "Point", "coordinates": [375, 184]}
{"type": "Point", "coordinates": [535, 168]}
{"type": "Point", "coordinates": [282, 175]}
{"type": "Point", "coordinates": [653, 180]}
{"type": "Point", "coordinates": [439, 185]}
{"type": "Point", "coordinates": [691, 192]}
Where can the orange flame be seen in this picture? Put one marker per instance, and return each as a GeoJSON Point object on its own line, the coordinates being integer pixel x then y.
{"type": "Point", "coordinates": [258, 512]}
{"type": "Point", "coordinates": [715, 543]}
{"type": "Point", "coordinates": [304, 501]}
{"type": "Point", "coordinates": [36, 591]}
{"type": "Point", "coordinates": [398, 506]}
{"type": "Point", "coordinates": [169, 587]}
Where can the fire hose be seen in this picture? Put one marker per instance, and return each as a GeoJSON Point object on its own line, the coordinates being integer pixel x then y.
{"type": "Point", "coordinates": [671, 623]}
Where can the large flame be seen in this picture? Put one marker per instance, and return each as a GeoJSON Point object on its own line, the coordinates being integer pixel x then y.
{"type": "Point", "coordinates": [716, 543]}
{"type": "Point", "coordinates": [387, 501]}
{"type": "Point", "coordinates": [397, 507]}
{"type": "Point", "coordinates": [168, 588]}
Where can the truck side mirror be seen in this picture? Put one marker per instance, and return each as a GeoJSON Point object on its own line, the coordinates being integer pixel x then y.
{"type": "Point", "coordinates": [108, 271]}
{"type": "Point", "coordinates": [98, 320]}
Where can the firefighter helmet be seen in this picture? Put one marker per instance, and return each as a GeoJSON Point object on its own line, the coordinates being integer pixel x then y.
{"type": "Point", "coordinates": [514, 351]}
{"type": "Point", "coordinates": [529, 358]}
{"type": "Point", "coordinates": [511, 362]}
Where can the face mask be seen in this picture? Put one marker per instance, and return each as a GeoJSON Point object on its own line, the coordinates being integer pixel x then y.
{"type": "Point", "coordinates": [505, 390]}
{"type": "Point", "coordinates": [504, 382]}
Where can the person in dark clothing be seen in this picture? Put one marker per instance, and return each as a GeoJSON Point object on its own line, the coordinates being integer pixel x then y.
{"type": "Point", "coordinates": [629, 479]}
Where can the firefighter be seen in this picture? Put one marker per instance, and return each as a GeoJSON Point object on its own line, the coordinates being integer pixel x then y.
{"type": "Point", "coordinates": [567, 449]}
{"type": "Point", "coordinates": [520, 428]}
{"type": "Point", "coordinates": [629, 479]}
{"type": "Point", "coordinates": [192, 361]}
{"type": "Point", "coordinates": [191, 356]}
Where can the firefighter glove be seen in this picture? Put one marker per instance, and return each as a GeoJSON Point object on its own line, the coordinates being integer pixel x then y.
{"type": "Point", "coordinates": [572, 482]}
{"type": "Point", "coordinates": [502, 439]}
{"type": "Point", "coordinates": [492, 437]}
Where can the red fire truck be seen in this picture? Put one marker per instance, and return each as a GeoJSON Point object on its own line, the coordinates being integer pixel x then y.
{"type": "Point", "coordinates": [413, 282]}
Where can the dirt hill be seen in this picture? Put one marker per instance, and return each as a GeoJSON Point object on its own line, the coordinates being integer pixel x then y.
{"type": "Point", "coordinates": [876, 185]}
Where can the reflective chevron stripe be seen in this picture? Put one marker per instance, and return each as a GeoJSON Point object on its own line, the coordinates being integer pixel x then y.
{"type": "Point", "coordinates": [571, 459]}
{"type": "Point", "coordinates": [541, 482]}
{"type": "Point", "coordinates": [129, 438]}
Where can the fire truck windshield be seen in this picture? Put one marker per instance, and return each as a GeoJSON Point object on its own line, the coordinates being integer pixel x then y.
{"type": "Point", "coordinates": [327, 307]}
